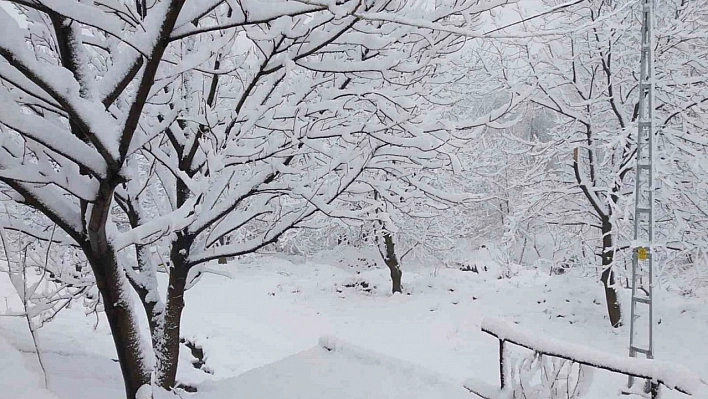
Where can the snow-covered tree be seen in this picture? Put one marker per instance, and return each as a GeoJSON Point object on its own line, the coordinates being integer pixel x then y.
{"type": "Point", "coordinates": [588, 79]}
{"type": "Point", "coordinates": [178, 125]}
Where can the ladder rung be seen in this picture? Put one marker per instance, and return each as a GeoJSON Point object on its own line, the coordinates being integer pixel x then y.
{"type": "Point", "coordinates": [642, 300]}
{"type": "Point", "coordinates": [641, 209]}
{"type": "Point", "coordinates": [644, 166]}
{"type": "Point", "coordinates": [640, 350]}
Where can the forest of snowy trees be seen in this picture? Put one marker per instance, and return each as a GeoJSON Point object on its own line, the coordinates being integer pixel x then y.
{"type": "Point", "coordinates": [143, 140]}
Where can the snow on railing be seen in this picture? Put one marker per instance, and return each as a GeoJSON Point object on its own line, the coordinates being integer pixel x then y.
{"type": "Point", "coordinates": [670, 375]}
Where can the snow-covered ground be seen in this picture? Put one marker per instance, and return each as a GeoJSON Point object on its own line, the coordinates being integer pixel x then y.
{"type": "Point", "coordinates": [272, 310]}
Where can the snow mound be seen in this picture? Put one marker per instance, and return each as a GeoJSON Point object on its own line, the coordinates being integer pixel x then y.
{"type": "Point", "coordinates": [335, 368]}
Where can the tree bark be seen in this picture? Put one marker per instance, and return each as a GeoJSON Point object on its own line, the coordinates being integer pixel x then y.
{"type": "Point", "coordinates": [392, 262]}
{"type": "Point", "coordinates": [223, 260]}
{"type": "Point", "coordinates": [122, 319]}
{"type": "Point", "coordinates": [607, 277]}
{"type": "Point", "coordinates": [167, 349]}
{"type": "Point", "coordinates": [149, 297]}
{"type": "Point", "coordinates": [115, 292]}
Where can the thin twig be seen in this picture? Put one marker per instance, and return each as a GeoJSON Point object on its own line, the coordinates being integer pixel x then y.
{"type": "Point", "coordinates": [26, 315]}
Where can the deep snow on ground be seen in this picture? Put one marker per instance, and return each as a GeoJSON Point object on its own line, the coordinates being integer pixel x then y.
{"type": "Point", "coordinates": [336, 369]}
{"type": "Point", "coordinates": [273, 309]}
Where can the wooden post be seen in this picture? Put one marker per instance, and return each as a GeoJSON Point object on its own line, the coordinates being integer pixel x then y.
{"type": "Point", "coordinates": [501, 364]}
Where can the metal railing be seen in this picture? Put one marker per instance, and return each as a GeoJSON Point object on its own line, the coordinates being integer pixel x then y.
{"type": "Point", "coordinates": [656, 373]}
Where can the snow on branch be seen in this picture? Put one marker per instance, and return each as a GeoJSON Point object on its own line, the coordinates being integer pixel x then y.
{"type": "Point", "coordinates": [248, 13]}
{"type": "Point", "coordinates": [474, 9]}
{"type": "Point", "coordinates": [36, 233]}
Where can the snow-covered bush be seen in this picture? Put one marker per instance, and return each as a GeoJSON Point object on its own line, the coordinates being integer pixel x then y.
{"type": "Point", "coordinates": [545, 377]}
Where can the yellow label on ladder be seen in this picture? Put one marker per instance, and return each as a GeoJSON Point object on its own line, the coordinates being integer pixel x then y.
{"type": "Point", "coordinates": [642, 253]}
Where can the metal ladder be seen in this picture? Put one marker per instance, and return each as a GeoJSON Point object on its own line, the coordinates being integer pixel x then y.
{"type": "Point", "coordinates": [642, 258]}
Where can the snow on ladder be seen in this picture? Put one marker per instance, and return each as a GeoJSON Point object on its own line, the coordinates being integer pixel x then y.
{"type": "Point", "coordinates": [641, 337]}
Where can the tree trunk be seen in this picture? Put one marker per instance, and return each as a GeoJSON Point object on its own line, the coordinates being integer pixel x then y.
{"type": "Point", "coordinates": [607, 277]}
{"type": "Point", "coordinates": [392, 262]}
{"type": "Point", "coordinates": [396, 275]}
{"type": "Point", "coordinates": [167, 349]}
{"type": "Point", "coordinates": [149, 297]}
{"type": "Point", "coordinates": [123, 321]}
{"type": "Point", "coordinates": [115, 292]}
{"type": "Point", "coordinates": [167, 335]}
{"type": "Point", "coordinates": [223, 260]}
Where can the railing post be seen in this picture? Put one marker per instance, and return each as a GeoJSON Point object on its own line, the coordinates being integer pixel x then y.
{"type": "Point", "coordinates": [501, 364]}
{"type": "Point", "coordinates": [654, 389]}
